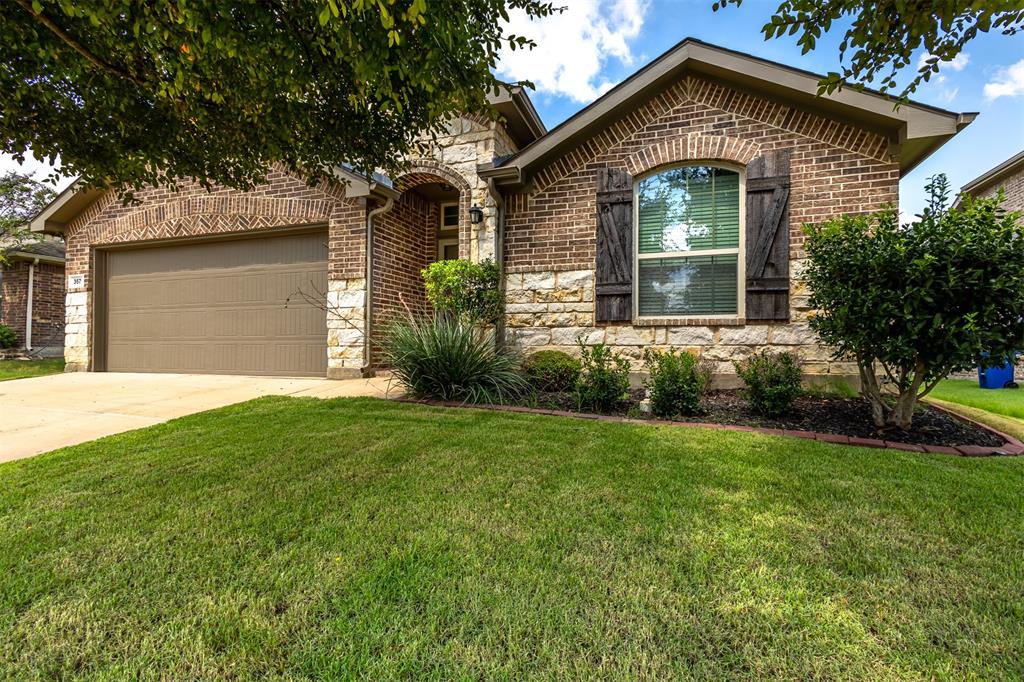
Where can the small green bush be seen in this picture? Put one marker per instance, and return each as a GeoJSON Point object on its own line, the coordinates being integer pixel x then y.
{"type": "Point", "coordinates": [552, 370]}
{"type": "Point", "coordinates": [449, 358]}
{"type": "Point", "coordinates": [8, 339]}
{"type": "Point", "coordinates": [676, 381]}
{"type": "Point", "coordinates": [773, 382]}
{"type": "Point", "coordinates": [603, 380]}
{"type": "Point", "coordinates": [466, 289]}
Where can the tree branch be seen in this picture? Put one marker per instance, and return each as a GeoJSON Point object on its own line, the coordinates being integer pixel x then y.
{"type": "Point", "coordinates": [70, 41]}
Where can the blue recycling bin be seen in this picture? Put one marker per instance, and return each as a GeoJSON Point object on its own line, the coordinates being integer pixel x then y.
{"type": "Point", "coordinates": [996, 377]}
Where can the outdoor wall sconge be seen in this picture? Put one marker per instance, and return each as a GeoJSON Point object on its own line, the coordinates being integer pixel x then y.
{"type": "Point", "coordinates": [476, 215]}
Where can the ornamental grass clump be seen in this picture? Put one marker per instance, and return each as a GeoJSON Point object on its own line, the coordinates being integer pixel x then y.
{"type": "Point", "coordinates": [676, 382]}
{"type": "Point", "coordinates": [913, 303]}
{"type": "Point", "coordinates": [773, 382]}
{"type": "Point", "coordinates": [446, 357]}
{"type": "Point", "coordinates": [551, 371]}
{"type": "Point", "coordinates": [603, 381]}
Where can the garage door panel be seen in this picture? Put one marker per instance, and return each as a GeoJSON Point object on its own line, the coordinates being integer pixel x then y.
{"type": "Point", "coordinates": [219, 307]}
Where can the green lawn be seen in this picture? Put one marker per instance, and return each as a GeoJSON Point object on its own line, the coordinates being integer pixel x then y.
{"type": "Point", "coordinates": [1008, 402]}
{"type": "Point", "coordinates": [362, 539]}
{"type": "Point", "coordinates": [21, 369]}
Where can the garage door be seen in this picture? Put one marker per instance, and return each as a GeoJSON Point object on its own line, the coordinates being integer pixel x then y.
{"type": "Point", "coordinates": [218, 307]}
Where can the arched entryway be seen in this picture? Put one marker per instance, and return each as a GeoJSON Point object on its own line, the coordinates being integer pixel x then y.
{"type": "Point", "coordinates": [429, 221]}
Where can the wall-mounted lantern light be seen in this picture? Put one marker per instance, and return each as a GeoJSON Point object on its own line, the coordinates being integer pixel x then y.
{"type": "Point", "coordinates": [476, 215]}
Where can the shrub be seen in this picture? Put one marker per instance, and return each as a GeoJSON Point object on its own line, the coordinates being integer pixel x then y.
{"type": "Point", "coordinates": [8, 339]}
{"type": "Point", "coordinates": [676, 382]}
{"type": "Point", "coordinates": [773, 382]}
{"type": "Point", "coordinates": [603, 380]}
{"type": "Point", "coordinates": [449, 358]}
{"type": "Point", "coordinates": [465, 289]}
{"type": "Point", "coordinates": [916, 302]}
{"type": "Point", "coordinates": [552, 370]}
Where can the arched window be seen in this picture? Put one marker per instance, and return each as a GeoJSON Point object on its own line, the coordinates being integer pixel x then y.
{"type": "Point", "coordinates": [689, 237]}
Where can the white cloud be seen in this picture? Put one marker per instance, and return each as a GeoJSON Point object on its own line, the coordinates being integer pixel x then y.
{"type": "Point", "coordinates": [1009, 82]}
{"type": "Point", "coordinates": [573, 47]}
{"type": "Point", "coordinates": [957, 63]}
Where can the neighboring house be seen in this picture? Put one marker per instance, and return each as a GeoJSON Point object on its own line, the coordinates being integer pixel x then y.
{"type": "Point", "coordinates": [32, 295]}
{"type": "Point", "coordinates": [1007, 176]}
{"type": "Point", "coordinates": [669, 211]}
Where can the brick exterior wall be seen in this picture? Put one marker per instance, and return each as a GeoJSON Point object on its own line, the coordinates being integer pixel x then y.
{"type": "Point", "coordinates": [404, 242]}
{"type": "Point", "coordinates": [1013, 188]}
{"type": "Point", "coordinates": [47, 302]}
{"type": "Point", "coordinates": [159, 214]}
{"type": "Point", "coordinates": [550, 228]}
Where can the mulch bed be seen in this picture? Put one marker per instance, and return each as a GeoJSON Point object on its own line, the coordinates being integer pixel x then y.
{"type": "Point", "coordinates": [847, 419]}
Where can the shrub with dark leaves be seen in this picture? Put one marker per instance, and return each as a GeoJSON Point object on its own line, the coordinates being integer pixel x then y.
{"type": "Point", "coordinates": [603, 381]}
{"type": "Point", "coordinates": [676, 381]}
{"type": "Point", "coordinates": [773, 382]}
{"type": "Point", "coordinates": [552, 370]}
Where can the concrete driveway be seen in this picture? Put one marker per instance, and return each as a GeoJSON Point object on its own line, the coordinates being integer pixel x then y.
{"type": "Point", "coordinates": [45, 413]}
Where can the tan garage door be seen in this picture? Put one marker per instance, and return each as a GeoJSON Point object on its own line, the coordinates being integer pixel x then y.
{"type": "Point", "coordinates": [218, 307]}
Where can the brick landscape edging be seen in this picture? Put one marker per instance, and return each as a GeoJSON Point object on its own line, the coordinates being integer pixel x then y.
{"type": "Point", "coordinates": [1012, 446]}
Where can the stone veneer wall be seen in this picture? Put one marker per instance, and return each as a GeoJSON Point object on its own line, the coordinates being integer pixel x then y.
{"type": "Point", "coordinates": [550, 246]}
{"type": "Point", "coordinates": [554, 309]}
{"type": "Point", "coordinates": [283, 201]}
{"type": "Point", "coordinates": [466, 142]}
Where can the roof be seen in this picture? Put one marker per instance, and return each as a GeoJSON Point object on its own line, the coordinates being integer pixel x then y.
{"type": "Point", "coordinates": [521, 120]}
{"type": "Point", "coordinates": [49, 250]}
{"type": "Point", "coordinates": [916, 130]}
{"type": "Point", "coordinates": [1012, 165]}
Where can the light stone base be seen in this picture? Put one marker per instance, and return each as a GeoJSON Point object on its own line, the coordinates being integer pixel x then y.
{"type": "Point", "coordinates": [555, 310]}
{"type": "Point", "coordinates": [77, 347]}
{"type": "Point", "coordinates": [346, 322]}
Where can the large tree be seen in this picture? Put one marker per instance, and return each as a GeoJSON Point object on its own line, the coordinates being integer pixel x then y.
{"type": "Point", "coordinates": [130, 93]}
{"type": "Point", "coordinates": [21, 197]}
{"type": "Point", "coordinates": [881, 37]}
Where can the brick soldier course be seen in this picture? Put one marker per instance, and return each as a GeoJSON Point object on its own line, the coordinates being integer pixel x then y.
{"type": "Point", "coordinates": [803, 159]}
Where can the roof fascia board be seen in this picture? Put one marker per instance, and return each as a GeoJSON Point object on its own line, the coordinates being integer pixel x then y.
{"type": "Point", "coordinates": [994, 175]}
{"type": "Point", "coordinates": [910, 121]}
{"type": "Point", "coordinates": [28, 256]}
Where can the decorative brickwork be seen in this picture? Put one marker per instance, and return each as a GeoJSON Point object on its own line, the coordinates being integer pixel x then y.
{"type": "Point", "coordinates": [550, 228]}
{"type": "Point", "coordinates": [836, 168]}
{"type": "Point", "coordinates": [160, 214]}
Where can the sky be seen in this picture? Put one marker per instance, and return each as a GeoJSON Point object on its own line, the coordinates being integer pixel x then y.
{"type": "Point", "coordinates": [596, 44]}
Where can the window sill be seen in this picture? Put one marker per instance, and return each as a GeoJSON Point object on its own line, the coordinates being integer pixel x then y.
{"type": "Point", "coordinates": [688, 321]}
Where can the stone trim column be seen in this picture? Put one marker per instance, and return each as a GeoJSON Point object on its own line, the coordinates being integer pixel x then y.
{"type": "Point", "coordinates": [346, 320]}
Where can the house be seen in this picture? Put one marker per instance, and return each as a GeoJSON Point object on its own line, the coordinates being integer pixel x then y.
{"type": "Point", "coordinates": [669, 211]}
{"type": "Point", "coordinates": [1007, 176]}
{"type": "Point", "coordinates": [32, 295]}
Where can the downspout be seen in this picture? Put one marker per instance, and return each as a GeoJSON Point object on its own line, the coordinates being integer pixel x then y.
{"type": "Point", "coordinates": [367, 369]}
{"type": "Point", "coordinates": [28, 306]}
{"type": "Point", "coordinates": [499, 255]}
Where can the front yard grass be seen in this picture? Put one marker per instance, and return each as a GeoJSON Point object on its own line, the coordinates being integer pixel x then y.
{"type": "Point", "coordinates": [1008, 402]}
{"type": "Point", "coordinates": [22, 369]}
{"type": "Point", "coordinates": [364, 539]}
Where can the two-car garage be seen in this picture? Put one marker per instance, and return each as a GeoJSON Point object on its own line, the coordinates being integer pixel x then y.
{"type": "Point", "coordinates": [222, 306]}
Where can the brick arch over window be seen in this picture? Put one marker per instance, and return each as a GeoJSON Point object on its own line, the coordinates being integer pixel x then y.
{"type": "Point", "coordinates": [425, 171]}
{"type": "Point", "coordinates": [696, 147]}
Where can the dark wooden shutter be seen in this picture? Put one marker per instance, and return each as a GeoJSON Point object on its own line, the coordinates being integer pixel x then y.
{"type": "Point", "coordinates": [767, 187]}
{"type": "Point", "coordinates": [614, 284]}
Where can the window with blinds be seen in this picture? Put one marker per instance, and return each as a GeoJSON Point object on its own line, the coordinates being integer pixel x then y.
{"type": "Point", "coordinates": [688, 242]}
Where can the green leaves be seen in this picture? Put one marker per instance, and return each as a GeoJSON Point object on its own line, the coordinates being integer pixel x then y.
{"type": "Point", "coordinates": [133, 94]}
{"type": "Point", "coordinates": [922, 300]}
{"type": "Point", "coordinates": [885, 35]}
